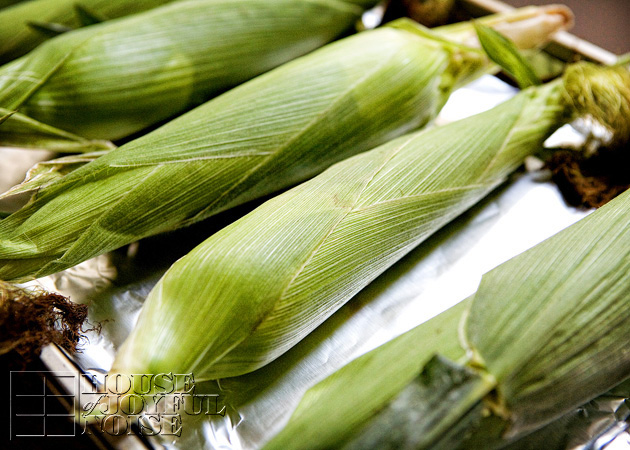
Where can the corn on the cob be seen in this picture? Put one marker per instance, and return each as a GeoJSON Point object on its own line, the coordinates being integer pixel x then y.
{"type": "Point", "coordinates": [24, 26]}
{"type": "Point", "coordinates": [545, 332]}
{"type": "Point", "coordinates": [110, 80]}
{"type": "Point", "coordinates": [260, 285]}
{"type": "Point", "coordinates": [267, 134]}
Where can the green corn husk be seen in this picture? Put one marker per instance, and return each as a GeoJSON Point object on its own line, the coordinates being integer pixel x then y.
{"type": "Point", "coordinates": [267, 134]}
{"type": "Point", "coordinates": [45, 172]}
{"type": "Point", "coordinates": [7, 3]}
{"type": "Point", "coordinates": [113, 79]}
{"type": "Point", "coordinates": [267, 280]}
{"type": "Point", "coordinates": [545, 332]}
{"type": "Point", "coordinates": [603, 417]}
{"type": "Point", "coordinates": [23, 132]}
{"type": "Point", "coordinates": [23, 27]}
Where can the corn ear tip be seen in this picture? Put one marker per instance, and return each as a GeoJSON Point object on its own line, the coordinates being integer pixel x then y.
{"type": "Point", "coordinates": [563, 11]}
{"type": "Point", "coordinates": [602, 93]}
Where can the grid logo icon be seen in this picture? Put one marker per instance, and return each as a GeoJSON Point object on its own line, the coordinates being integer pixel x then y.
{"type": "Point", "coordinates": [38, 411]}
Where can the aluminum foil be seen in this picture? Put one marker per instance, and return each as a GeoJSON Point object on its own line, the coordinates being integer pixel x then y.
{"type": "Point", "coordinates": [441, 272]}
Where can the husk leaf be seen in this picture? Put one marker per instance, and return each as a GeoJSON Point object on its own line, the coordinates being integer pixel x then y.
{"type": "Point", "coordinates": [87, 16]}
{"type": "Point", "coordinates": [18, 36]}
{"type": "Point", "coordinates": [570, 351]}
{"type": "Point", "coordinates": [48, 29]}
{"type": "Point", "coordinates": [110, 80]}
{"type": "Point", "coordinates": [375, 378]}
{"type": "Point", "coordinates": [18, 130]}
{"type": "Point", "coordinates": [7, 3]}
{"type": "Point", "coordinates": [44, 173]}
{"type": "Point", "coordinates": [503, 52]}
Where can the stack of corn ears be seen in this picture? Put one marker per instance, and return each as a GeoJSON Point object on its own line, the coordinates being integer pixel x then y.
{"type": "Point", "coordinates": [256, 288]}
{"type": "Point", "coordinates": [545, 332]}
{"type": "Point", "coordinates": [267, 134]}
{"type": "Point", "coordinates": [113, 79]}
{"type": "Point", "coordinates": [25, 26]}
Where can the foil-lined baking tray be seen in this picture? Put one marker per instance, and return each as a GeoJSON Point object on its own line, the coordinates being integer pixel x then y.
{"type": "Point", "coordinates": [441, 272]}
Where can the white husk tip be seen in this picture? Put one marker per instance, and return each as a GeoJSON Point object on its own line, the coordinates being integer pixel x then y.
{"type": "Point", "coordinates": [528, 27]}
{"type": "Point", "coordinates": [539, 27]}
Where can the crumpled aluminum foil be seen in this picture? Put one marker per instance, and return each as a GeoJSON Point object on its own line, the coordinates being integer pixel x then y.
{"type": "Point", "coordinates": [441, 272]}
